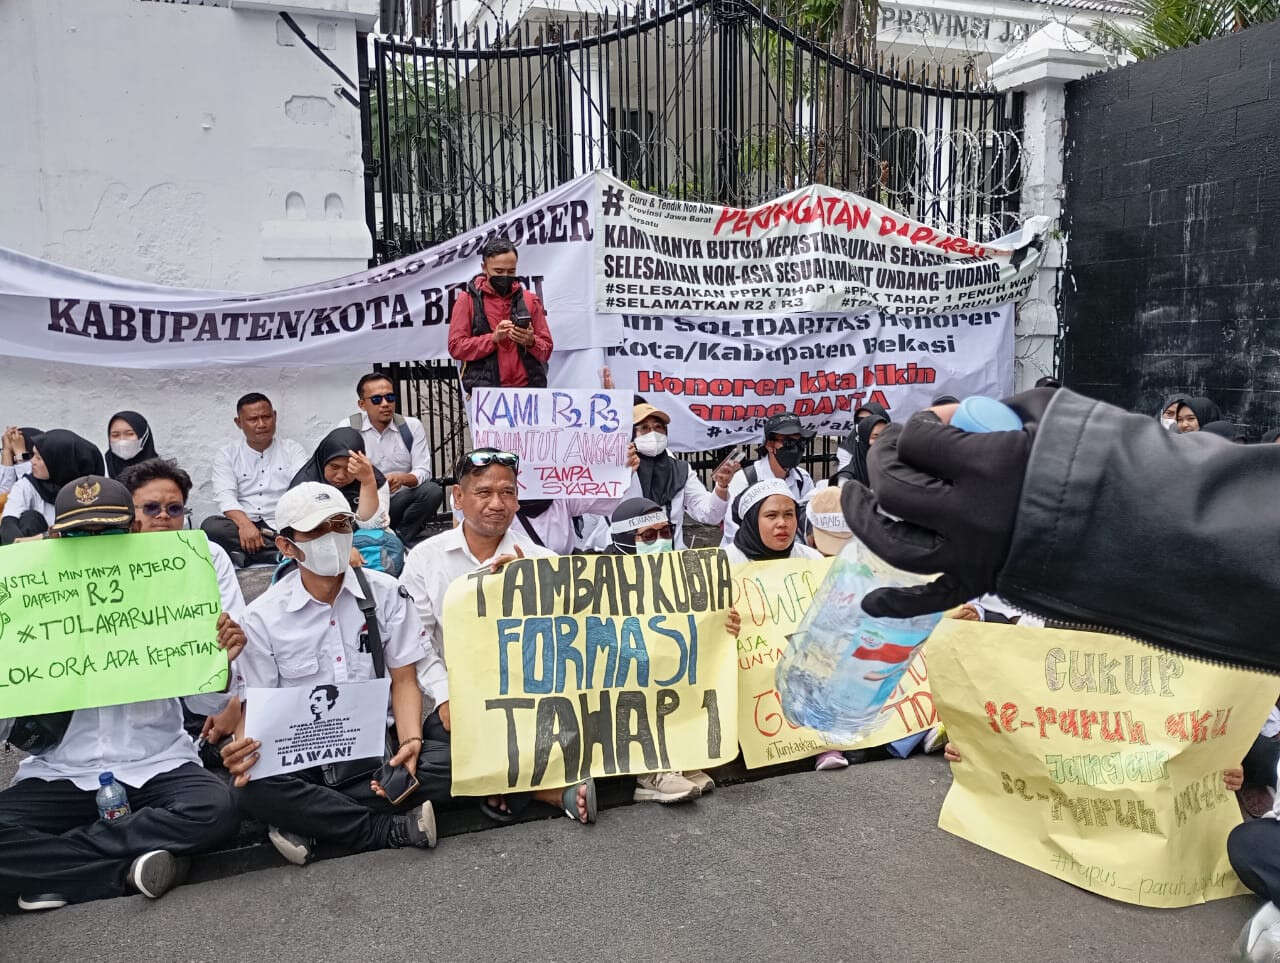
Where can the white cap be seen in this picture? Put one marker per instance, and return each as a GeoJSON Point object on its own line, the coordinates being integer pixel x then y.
{"type": "Point", "coordinates": [307, 505]}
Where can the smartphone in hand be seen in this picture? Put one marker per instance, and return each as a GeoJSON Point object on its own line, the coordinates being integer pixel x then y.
{"type": "Point", "coordinates": [397, 782]}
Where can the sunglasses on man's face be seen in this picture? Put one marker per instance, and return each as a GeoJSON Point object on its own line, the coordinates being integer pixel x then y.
{"type": "Point", "coordinates": [173, 510]}
{"type": "Point", "coordinates": [389, 398]}
{"type": "Point", "coordinates": [653, 534]}
{"type": "Point", "coordinates": [482, 458]}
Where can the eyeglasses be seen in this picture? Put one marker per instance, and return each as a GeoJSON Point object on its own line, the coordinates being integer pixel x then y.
{"type": "Point", "coordinates": [389, 398]}
{"type": "Point", "coordinates": [173, 510]}
{"type": "Point", "coordinates": [653, 534]}
{"type": "Point", "coordinates": [342, 524]}
{"type": "Point", "coordinates": [482, 458]}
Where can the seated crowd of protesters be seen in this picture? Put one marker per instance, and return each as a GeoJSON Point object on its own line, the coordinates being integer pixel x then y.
{"type": "Point", "coordinates": [344, 527]}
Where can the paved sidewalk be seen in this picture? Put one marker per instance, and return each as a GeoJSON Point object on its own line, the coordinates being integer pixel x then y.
{"type": "Point", "coordinates": [813, 866]}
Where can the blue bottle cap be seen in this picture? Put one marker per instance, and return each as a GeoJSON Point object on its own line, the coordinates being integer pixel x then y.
{"type": "Point", "coordinates": [106, 778]}
{"type": "Point", "coordinates": [981, 414]}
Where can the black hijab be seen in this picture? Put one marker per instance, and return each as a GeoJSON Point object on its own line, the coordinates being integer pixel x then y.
{"type": "Point", "coordinates": [874, 408]}
{"type": "Point", "coordinates": [624, 543]}
{"type": "Point", "coordinates": [68, 457]}
{"type": "Point", "coordinates": [857, 469]}
{"type": "Point", "coordinates": [1224, 429]}
{"type": "Point", "coordinates": [747, 537]}
{"type": "Point", "coordinates": [660, 478]}
{"type": "Point", "coordinates": [1178, 399]}
{"type": "Point", "coordinates": [1206, 411]}
{"type": "Point", "coordinates": [334, 445]}
{"type": "Point", "coordinates": [116, 464]}
{"type": "Point", "coordinates": [945, 400]}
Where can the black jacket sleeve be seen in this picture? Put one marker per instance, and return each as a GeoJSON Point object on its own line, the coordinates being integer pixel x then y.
{"type": "Point", "coordinates": [1171, 538]}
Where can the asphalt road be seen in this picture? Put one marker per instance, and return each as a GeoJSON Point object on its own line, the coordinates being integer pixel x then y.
{"type": "Point", "coordinates": [814, 866]}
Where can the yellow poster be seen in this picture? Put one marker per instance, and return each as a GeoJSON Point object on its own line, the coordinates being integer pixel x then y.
{"type": "Point", "coordinates": [1094, 758]}
{"type": "Point", "coordinates": [605, 665]}
{"type": "Point", "coordinates": [772, 598]}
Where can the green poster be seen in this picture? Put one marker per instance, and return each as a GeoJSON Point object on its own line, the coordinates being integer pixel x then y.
{"type": "Point", "coordinates": [107, 619]}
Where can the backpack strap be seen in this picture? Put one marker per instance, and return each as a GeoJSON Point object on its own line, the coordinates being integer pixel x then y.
{"type": "Point", "coordinates": [369, 607]}
{"type": "Point", "coordinates": [751, 475]}
{"type": "Point", "coordinates": [405, 434]}
{"type": "Point", "coordinates": [533, 532]}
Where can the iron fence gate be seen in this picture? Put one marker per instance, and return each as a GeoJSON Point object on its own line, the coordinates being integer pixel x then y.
{"type": "Point", "coordinates": [711, 100]}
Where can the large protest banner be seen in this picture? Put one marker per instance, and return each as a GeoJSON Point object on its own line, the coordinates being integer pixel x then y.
{"type": "Point", "coordinates": [1094, 758]}
{"type": "Point", "coordinates": [772, 598]}
{"type": "Point", "coordinates": [572, 442]}
{"type": "Point", "coordinates": [562, 668]}
{"type": "Point", "coordinates": [720, 378]}
{"type": "Point", "coordinates": [816, 249]}
{"type": "Point", "coordinates": [396, 310]}
{"type": "Point", "coordinates": [107, 620]}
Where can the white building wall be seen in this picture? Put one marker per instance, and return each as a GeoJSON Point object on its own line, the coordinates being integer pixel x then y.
{"type": "Point", "coordinates": [185, 145]}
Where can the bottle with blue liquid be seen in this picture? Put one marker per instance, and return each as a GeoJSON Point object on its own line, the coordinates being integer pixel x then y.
{"type": "Point", "coordinates": [842, 665]}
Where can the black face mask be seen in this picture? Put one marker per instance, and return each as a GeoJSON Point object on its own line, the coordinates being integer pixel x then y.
{"type": "Point", "coordinates": [788, 454]}
{"type": "Point", "coordinates": [502, 283]}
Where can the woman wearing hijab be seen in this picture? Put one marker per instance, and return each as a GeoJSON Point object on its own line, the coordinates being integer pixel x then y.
{"type": "Point", "coordinates": [129, 442]}
{"type": "Point", "coordinates": [59, 457]}
{"type": "Point", "coordinates": [15, 455]}
{"type": "Point", "coordinates": [851, 456]}
{"type": "Point", "coordinates": [1169, 411]}
{"type": "Point", "coordinates": [668, 481]}
{"type": "Point", "coordinates": [1195, 413]}
{"type": "Point", "coordinates": [871, 408]}
{"type": "Point", "coordinates": [640, 526]}
{"type": "Point", "coordinates": [339, 460]}
{"type": "Point", "coordinates": [767, 514]}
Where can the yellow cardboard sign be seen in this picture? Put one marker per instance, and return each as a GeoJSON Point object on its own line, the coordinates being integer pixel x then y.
{"type": "Point", "coordinates": [1094, 758]}
{"type": "Point", "coordinates": [603, 665]}
{"type": "Point", "coordinates": [772, 598]}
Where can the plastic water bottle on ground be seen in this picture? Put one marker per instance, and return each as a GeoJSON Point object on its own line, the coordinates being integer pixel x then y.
{"type": "Point", "coordinates": [842, 665]}
{"type": "Point", "coordinates": [113, 801]}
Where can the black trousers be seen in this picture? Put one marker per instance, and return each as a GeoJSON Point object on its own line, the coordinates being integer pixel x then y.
{"type": "Point", "coordinates": [224, 532]}
{"type": "Point", "coordinates": [52, 840]}
{"type": "Point", "coordinates": [27, 524]}
{"type": "Point", "coordinates": [1254, 850]}
{"type": "Point", "coordinates": [412, 508]}
{"type": "Point", "coordinates": [1260, 762]}
{"type": "Point", "coordinates": [353, 818]}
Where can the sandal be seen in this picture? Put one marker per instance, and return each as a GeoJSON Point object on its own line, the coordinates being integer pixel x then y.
{"type": "Point", "coordinates": [569, 801]}
{"type": "Point", "coordinates": [502, 816]}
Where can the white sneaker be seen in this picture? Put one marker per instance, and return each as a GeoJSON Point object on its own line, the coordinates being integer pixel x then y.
{"type": "Point", "coordinates": [664, 787]}
{"type": "Point", "coordinates": [41, 901]}
{"type": "Point", "coordinates": [1260, 938]}
{"type": "Point", "coordinates": [700, 779]}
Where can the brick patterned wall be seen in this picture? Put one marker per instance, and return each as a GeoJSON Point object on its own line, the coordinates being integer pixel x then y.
{"type": "Point", "coordinates": [1172, 213]}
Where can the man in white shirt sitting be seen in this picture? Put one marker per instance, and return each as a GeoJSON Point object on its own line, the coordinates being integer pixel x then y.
{"type": "Point", "coordinates": [785, 441]}
{"type": "Point", "coordinates": [308, 630]}
{"type": "Point", "coordinates": [397, 446]}
{"type": "Point", "coordinates": [249, 477]}
{"type": "Point", "coordinates": [54, 849]}
{"type": "Point", "coordinates": [486, 497]}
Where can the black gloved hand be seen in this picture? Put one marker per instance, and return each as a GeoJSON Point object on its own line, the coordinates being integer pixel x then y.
{"type": "Point", "coordinates": [957, 495]}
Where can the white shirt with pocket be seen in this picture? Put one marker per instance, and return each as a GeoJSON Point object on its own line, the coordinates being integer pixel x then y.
{"type": "Point", "coordinates": [252, 481]}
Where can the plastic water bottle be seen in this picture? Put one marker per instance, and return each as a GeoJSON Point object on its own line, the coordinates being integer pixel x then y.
{"type": "Point", "coordinates": [842, 665]}
{"type": "Point", "coordinates": [112, 800]}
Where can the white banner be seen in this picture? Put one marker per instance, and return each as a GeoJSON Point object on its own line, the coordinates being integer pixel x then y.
{"type": "Point", "coordinates": [397, 311]}
{"type": "Point", "coordinates": [316, 725]}
{"type": "Point", "coordinates": [720, 378]}
{"type": "Point", "coordinates": [816, 249]}
{"type": "Point", "coordinates": [572, 443]}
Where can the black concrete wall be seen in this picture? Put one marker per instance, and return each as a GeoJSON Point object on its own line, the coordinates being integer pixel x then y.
{"type": "Point", "coordinates": [1173, 217]}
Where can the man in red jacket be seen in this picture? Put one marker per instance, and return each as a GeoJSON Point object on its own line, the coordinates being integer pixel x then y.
{"type": "Point", "coordinates": [498, 330]}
